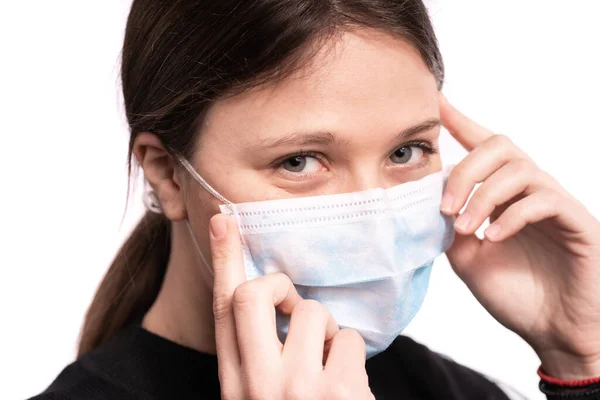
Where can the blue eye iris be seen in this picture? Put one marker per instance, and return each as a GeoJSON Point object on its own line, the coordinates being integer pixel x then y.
{"type": "Point", "coordinates": [402, 155]}
{"type": "Point", "coordinates": [295, 164]}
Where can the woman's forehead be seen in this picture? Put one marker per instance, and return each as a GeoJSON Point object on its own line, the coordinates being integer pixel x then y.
{"type": "Point", "coordinates": [361, 81]}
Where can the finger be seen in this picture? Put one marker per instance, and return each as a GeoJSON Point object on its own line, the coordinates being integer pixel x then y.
{"type": "Point", "coordinates": [229, 273]}
{"type": "Point", "coordinates": [311, 325]}
{"type": "Point", "coordinates": [543, 204]}
{"type": "Point", "coordinates": [517, 177]}
{"type": "Point", "coordinates": [347, 355]}
{"type": "Point", "coordinates": [462, 254]}
{"type": "Point", "coordinates": [254, 304]}
{"type": "Point", "coordinates": [466, 131]}
{"type": "Point", "coordinates": [476, 167]}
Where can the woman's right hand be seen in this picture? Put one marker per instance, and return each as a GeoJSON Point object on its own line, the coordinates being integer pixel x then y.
{"type": "Point", "coordinates": [253, 364]}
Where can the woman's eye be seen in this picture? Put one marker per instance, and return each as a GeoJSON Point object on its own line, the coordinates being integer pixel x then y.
{"type": "Point", "coordinates": [407, 155]}
{"type": "Point", "coordinates": [301, 164]}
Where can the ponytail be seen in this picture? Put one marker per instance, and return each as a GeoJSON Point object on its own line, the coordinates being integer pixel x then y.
{"type": "Point", "coordinates": [131, 284]}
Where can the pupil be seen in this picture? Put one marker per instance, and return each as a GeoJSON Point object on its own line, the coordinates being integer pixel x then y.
{"type": "Point", "coordinates": [402, 155]}
{"type": "Point", "coordinates": [296, 161]}
{"type": "Point", "coordinates": [295, 164]}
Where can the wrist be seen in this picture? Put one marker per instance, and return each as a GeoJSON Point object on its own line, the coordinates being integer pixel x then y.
{"type": "Point", "coordinates": [569, 368]}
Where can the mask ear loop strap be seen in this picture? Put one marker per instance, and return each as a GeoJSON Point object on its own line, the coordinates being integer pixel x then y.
{"type": "Point", "coordinates": [192, 171]}
{"type": "Point", "coordinates": [185, 163]}
{"type": "Point", "coordinates": [208, 266]}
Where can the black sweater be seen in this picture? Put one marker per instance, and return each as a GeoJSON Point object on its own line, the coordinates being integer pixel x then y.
{"type": "Point", "coordinates": [140, 365]}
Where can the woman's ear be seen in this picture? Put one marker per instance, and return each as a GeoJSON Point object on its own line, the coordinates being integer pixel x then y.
{"type": "Point", "coordinates": [160, 172]}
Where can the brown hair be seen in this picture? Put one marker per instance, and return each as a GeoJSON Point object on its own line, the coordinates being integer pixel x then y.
{"type": "Point", "coordinates": [181, 55]}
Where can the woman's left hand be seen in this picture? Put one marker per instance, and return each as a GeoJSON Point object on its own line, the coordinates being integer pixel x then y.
{"type": "Point", "coordinates": [538, 269]}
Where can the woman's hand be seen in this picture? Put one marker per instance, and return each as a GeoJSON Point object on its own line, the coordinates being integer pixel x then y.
{"type": "Point", "coordinates": [538, 269]}
{"type": "Point", "coordinates": [253, 364]}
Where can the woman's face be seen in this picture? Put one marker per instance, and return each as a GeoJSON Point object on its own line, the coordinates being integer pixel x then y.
{"type": "Point", "coordinates": [364, 114]}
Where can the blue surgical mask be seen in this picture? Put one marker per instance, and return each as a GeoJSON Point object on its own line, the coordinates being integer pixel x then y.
{"type": "Point", "coordinates": [365, 256]}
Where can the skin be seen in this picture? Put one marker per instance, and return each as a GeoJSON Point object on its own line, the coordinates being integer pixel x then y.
{"type": "Point", "coordinates": [538, 274]}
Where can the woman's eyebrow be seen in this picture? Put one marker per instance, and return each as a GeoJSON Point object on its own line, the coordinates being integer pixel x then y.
{"type": "Point", "coordinates": [298, 139]}
{"type": "Point", "coordinates": [419, 128]}
{"type": "Point", "coordinates": [302, 139]}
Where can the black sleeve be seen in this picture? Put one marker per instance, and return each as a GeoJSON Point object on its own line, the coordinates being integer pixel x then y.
{"type": "Point", "coordinates": [554, 392]}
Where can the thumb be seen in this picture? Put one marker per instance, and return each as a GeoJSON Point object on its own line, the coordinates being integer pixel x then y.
{"type": "Point", "coordinates": [462, 254]}
{"type": "Point", "coordinates": [227, 259]}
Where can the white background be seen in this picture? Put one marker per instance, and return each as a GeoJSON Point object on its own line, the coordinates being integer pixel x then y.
{"type": "Point", "coordinates": [525, 68]}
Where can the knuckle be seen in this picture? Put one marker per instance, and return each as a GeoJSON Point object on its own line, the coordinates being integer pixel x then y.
{"type": "Point", "coordinates": [246, 294]}
{"type": "Point", "coordinates": [300, 389]}
{"type": "Point", "coordinates": [221, 308]}
{"type": "Point", "coordinates": [540, 179]}
{"type": "Point", "coordinates": [460, 177]}
{"type": "Point", "coordinates": [220, 253]}
{"type": "Point", "coordinates": [278, 278]}
{"type": "Point", "coordinates": [480, 199]}
{"type": "Point", "coordinates": [340, 391]}
{"type": "Point", "coordinates": [522, 213]}
{"type": "Point", "coordinates": [460, 172]}
{"type": "Point", "coordinates": [257, 390]}
{"type": "Point", "coordinates": [227, 394]}
{"type": "Point", "coordinates": [229, 391]}
{"type": "Point", "coordinates": [500, 139]}
{"type": "Point", "coordinates": [231, 385]}
{"type": "Point", "coordinates": [522, 166]}
{"type": "Point", "coordinates": [309, 306]}
{"type": "Point", "coordinates": [279, 275]}
{"type": "Point", "coordinates": [553, 198]}
{"type": "Point", "coordinates": [272, 279]}
{"type": "Point", "coordinates": [543, 178]}
{"type": "Point", "coordinates": [352, 337]}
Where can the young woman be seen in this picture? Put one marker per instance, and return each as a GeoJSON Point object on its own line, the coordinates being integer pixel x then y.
{"type": "Point", "coordinates": [292, 151]}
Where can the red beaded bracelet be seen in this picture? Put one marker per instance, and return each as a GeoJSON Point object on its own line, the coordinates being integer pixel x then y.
{"type": "Point", "coordinates": [565, 383]}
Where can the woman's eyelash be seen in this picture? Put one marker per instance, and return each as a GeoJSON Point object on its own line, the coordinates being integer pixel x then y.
{"type": "Point", "coordinates": [424, 145]}
{"type": "Point", "coordinates": [301, 153]}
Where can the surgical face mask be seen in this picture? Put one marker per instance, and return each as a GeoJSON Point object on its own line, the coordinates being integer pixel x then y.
{"type": "Point", "coordinates": [365, 256]}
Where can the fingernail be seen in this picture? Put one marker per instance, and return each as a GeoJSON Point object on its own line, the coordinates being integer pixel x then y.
{"type": "Point", "coordinates": [462, 222]}
{"type": "Point", "coordinates": [447, 202]}
{"type": "Point", "coordinates": [218, 227]}
{"type": "Point", "coordinates": [492, 231]}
